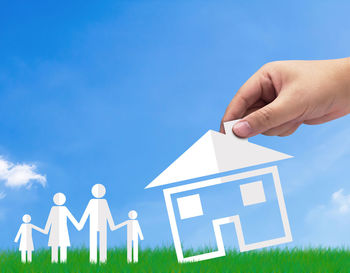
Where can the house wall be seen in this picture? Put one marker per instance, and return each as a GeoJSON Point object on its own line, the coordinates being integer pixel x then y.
{"type": "Point", "coordinates": [261, 221]}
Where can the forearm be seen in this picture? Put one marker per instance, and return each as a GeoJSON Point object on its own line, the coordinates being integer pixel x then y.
{"type": "Point", "coordinates": [338, 102]}
{"type": "Point", "coordinates": [17, 237]}
{"type": "Point", "coordinates": [115, 227]}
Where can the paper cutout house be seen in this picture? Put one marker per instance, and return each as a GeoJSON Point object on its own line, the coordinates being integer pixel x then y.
{"type": "Point", "coordinates": [213, 154]}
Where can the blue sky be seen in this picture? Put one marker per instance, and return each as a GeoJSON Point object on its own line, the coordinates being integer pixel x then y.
{"type": "Point", "coordinates": [114, 91]}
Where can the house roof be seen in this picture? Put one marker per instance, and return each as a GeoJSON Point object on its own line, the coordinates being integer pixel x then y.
{"type": "Point", "coordinates": [214, 153]}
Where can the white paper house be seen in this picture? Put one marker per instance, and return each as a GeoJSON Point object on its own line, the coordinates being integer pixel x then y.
{"type": "Point", "coordinates": [216, 153]}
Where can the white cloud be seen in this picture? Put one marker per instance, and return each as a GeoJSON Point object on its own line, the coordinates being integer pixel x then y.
{"type": "Point", "coordinates": [340, 202]}
{"type": "Point", "coordinates": [18, 175]}
{"type": "Point", "coordinates": [328, 224]}
{"type": "Point", "coordinates": [319, 162]}
{"type": "Point", "coordinates": [2, 195]}
{"type": "Point", "coordinates": [337, 208]}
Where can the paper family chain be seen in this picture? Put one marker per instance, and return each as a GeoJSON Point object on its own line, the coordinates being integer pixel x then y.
{"type": "Point", "coordinates": [56, 225]}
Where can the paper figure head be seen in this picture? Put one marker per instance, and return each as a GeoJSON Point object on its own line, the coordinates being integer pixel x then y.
{"type": "Point", "coordinates": [98, 190]}
{"type": "Point", "coordinates": [132, 214]}
{"type": "Point", "coordinates": [59, 199]}
{"type": "Point", "coordinates": [26, 218]}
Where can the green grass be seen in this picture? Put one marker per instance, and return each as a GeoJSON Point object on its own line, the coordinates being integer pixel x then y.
{"type": "Point", "coordinates": [163, 260]}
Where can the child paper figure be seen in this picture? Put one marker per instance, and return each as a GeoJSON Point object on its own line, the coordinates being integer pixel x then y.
{"type": "Point", "coordinates": [99, 213]}
{"type": "Point", "coordinates": [133, 234]}
{"type": "Point", "coordinates": [26, 245]}
{"type": "Point", "coordinates": [57, 224]}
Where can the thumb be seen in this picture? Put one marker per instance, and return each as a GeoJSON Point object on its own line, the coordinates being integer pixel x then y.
{"type": "Point", "coordinates": [272, 115]}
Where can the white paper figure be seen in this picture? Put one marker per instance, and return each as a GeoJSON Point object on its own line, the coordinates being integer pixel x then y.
{"type": "Point", "coordinates": [99, 213]}
{"type": "Point", "coordinates": [133, 234]}
{"type": "Point", "coordinates": [57, 225]}
{"type": "Point", "coordinates": [26, 245]}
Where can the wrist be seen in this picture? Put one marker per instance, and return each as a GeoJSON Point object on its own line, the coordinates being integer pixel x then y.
{"type": "Point", "coordinates": [347, 82]}
{"type": "Point", "coordinates": [344, 83]}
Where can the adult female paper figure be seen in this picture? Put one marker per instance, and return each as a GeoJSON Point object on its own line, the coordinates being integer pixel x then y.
{"type": "Point", "coordinates": [26, 245]}
{"type": "Point", "coordinates": [57, 224]}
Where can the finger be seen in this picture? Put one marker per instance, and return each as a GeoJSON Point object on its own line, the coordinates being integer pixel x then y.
{"type": "Point", "coordinates": [276, 131]}
{"type": "Point", "coordinates": [290, 131]}
{"type": "Point", "coordinates": [245, 97]}
{"type": "Point", "coordinates": [256, 106]}
{"type": "Point", "coordinates": [278, 112]}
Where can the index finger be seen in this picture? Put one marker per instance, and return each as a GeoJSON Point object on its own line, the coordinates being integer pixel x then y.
{"type": "Point", "coordinates": [246, 96]}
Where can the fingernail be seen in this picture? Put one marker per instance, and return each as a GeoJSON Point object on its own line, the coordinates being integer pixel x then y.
{"type": "Point", "coordinates": [242, 129]}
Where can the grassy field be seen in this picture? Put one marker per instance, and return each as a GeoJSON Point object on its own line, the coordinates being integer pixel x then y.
{"type": "Point", "coordinates": [164, 260]}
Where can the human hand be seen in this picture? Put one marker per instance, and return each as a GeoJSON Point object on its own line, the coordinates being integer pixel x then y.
{"type": "Point", "coordinates": [282, 95]}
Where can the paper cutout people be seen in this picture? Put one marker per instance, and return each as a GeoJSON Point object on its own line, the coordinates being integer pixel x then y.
{"type": "Point", "coordinates": [133, 234]}
{"type": "Point", "coordinates": [57, 225]}
{"type": "Point", "coordinates": [26, 245]}
{"type": "Point", "coordinates": [99, 213]}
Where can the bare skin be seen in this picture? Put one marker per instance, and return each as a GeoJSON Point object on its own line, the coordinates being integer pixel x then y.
{"type": "Point", "coordinates": [282, 95]}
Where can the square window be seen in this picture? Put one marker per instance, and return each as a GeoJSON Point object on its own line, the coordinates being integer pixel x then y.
{"type": "Point", "coordinates": [190, 206]}
{"type": "Point", "coordinates": [252, 193]}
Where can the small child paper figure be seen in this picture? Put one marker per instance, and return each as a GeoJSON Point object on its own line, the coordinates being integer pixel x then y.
{"type": "Point", "coordinates": [133, 234]}
{"type": "Point", "coordinates": [26, 245]}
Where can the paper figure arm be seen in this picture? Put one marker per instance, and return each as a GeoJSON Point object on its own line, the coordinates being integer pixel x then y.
{"type": "Point", "coordinates": [73, 220]}
{"type": "Point", "coordinates": [120, 225]}
{"type": "Point", "coordinates": [38, 229]}
{"type": "Point", "coordinates": [84, 217]}
{"type": "Point", "coordinates": [109, 217]}
{"type": "Point", "coordinates": [19, 233]}
{"type": "Point", "coordinates": [48, 222]}
{"type": "Point", "coordinates": [139, 231]}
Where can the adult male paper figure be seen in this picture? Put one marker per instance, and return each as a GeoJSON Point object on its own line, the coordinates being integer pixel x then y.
{"type": "Point", "coordinates": [99, 213]}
